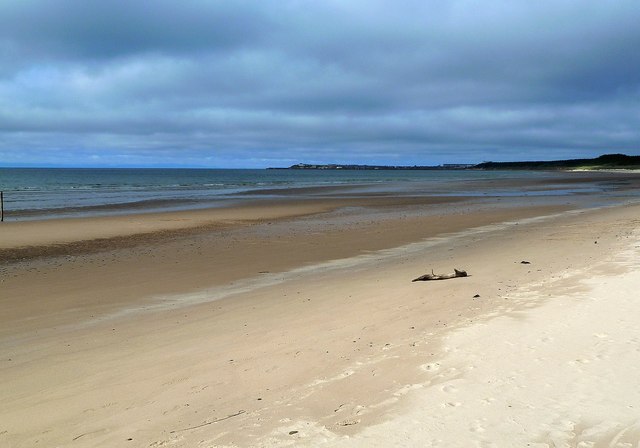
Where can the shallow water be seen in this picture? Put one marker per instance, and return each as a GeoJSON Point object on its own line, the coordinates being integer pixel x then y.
{"type": "Point", "coordinates": [36, 193]}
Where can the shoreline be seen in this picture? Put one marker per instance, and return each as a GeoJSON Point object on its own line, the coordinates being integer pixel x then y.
{"type": "Point", "coordinates": [330, 354]}
{"type": "Point", "coordinates": [56, 232]}
{"type": "Point", "coordinates": [25, 205]}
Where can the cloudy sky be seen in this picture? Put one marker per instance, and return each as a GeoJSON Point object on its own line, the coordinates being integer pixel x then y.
{"type": "Point", "coordinates": [255, 83]}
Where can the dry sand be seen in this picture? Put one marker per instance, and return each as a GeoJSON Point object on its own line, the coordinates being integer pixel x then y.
{"type": "Point", "coordinates": [309, 332]}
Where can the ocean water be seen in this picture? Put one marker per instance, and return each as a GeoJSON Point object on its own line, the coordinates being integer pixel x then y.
{"type": "Point", "coordinates": [35, 193]}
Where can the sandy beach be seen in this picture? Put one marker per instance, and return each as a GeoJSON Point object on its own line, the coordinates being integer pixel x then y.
{"type": "Point", "coordinates": [297, 324]}
{"type": "Point", "coordinates": [342, 224]}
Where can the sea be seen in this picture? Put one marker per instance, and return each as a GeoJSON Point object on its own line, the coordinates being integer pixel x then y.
{"type": "Point", "coordinates": [45, 193]}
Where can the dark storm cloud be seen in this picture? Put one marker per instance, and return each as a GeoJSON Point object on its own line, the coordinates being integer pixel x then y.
{"type": "Point", "coordinates": [255, 83]}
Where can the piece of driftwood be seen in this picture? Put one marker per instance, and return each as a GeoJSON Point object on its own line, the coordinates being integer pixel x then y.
{"type": "Point", "coordinates": [432, 276]}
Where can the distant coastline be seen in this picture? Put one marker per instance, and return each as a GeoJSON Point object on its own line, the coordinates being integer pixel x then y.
{"type": "Point", "coordinates": [604, 162]}
{"type": "Point", "coordinates": [334, 166]}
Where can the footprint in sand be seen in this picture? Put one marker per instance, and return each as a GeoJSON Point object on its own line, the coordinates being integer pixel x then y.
{"type": "Point", "coordinates": [451, 404]}
{"type": "Point", "coordinates": [431, 367]}
{"type": "Point", "coordinates": [477, 427]}
{"type": "Point", "coordinates": [449, 389]}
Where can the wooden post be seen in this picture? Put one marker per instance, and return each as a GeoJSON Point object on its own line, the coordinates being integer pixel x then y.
{"type": "Point", "coordinates": [1, 206]}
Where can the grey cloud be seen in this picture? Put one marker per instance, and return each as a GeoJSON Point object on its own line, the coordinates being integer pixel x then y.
{"type": "Point", "coordinates": [227, 82]}
{"type": "Point", "coordinates": [96, 29]}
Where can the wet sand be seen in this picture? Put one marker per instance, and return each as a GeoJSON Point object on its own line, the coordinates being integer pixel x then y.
{"type": "Point", "coordinates": [149, 256]}
{"type": "Point", "coordinates": [299, 325]}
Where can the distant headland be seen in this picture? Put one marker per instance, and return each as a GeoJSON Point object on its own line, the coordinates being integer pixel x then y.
{"type": "Point", "coordinates": [604, 162]}
{"type": "Point", "coordinates": [333, 166]}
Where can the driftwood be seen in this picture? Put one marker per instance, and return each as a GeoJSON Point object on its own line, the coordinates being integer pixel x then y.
{"type": "Point", "coordinates": [432, 276]}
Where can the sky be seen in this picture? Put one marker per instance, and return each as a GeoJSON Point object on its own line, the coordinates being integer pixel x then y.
{"type": "Point", "coordinates": [258, 83]}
